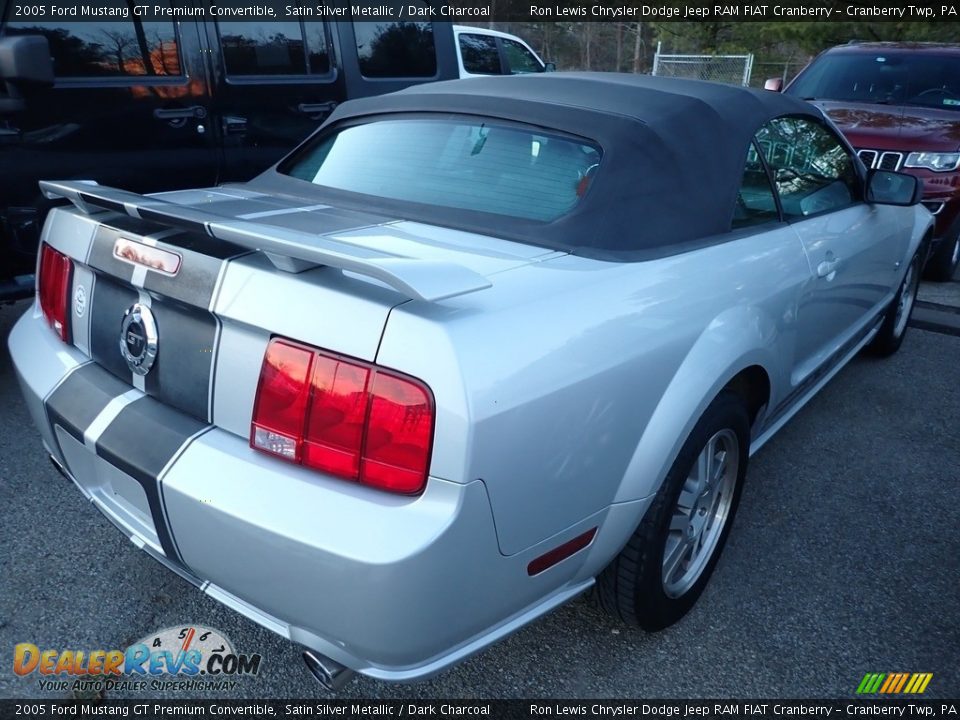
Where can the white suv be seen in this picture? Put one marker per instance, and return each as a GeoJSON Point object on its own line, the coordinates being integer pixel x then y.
{"type": "Point", "coordinates": [489, 52]}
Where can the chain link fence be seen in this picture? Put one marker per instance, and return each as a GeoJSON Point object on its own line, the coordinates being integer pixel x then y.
{"type": "Point", "coordinates": [729, 69]}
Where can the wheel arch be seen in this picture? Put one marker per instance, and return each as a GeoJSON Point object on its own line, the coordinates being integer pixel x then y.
{"type": "Point", "coordinates": [737, 352]}
{"type": "Point", "coordinates": [753, 385]}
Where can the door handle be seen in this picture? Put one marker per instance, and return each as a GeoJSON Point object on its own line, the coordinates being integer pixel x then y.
{"type": "Point", "coordinates": [828, 267]}
{"type": "Point", "coordinates": [316, 108]}
{"type": "Point", "coordinates": [194, 111]}
{"type": "Point", "coordinates": [234, 125]}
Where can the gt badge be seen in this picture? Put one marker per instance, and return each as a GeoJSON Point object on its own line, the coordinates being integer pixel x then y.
{"type": "Point", "coordinates": [138, 338]}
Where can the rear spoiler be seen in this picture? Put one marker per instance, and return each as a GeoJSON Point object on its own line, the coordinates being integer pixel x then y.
{"type": "Point", "coordinates": [289, 250]}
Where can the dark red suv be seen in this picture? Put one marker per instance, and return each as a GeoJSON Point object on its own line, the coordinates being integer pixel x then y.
{"type": "Point", "coordinates": [899, 106]}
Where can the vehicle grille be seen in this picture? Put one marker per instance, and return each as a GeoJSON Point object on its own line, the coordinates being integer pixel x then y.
{"type": "Point", "coordinates": [881, 159]}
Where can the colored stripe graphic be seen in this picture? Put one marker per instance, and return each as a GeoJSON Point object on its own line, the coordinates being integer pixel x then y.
{"type": "Point", "coordinates": [894, 683]}
{"type": "Point", "coordinates": [892, 679]}
{"type": "Point", "coordinates": [903, 680]}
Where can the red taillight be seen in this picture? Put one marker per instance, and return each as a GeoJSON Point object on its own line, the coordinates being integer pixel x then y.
{"type": "Point", "coordinates": [399, 427]}
{"type": "Point", "coordinates": [338, 412]}
{"type": "Point", "coordinates": [56, 270]}
{"type": "Point", "coordinates": [282, 400]}
{"type": "Point", "coordinates": [343, 417]}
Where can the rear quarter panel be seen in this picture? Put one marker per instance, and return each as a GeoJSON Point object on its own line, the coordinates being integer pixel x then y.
{"type": "Point", "coordinates": [571, 384]}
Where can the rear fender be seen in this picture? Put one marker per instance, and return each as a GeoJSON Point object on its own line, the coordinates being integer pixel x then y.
{"type": "Point", "coordinates": [734, 340]}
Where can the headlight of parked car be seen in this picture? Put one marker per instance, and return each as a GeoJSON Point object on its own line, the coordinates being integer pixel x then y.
{"type": "Point", "coordinates": [938, 162]}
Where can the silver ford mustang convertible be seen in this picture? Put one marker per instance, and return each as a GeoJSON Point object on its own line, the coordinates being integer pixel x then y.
{"type": "Point", "coordinates": [469, 350]}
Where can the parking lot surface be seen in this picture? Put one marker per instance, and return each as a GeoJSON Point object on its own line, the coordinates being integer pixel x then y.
{"type": "Point", "coordinates": [844, 559]}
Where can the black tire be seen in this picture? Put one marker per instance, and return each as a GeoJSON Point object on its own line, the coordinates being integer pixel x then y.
{"type": "Point", "coordinates": [942, 264]}
{"type": "Point", "coordinates": [894, 327]}
{"type": "Point", "coordinates": [632, 588]}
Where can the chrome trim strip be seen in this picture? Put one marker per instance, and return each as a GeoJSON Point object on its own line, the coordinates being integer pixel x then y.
{"type": "Point", "coordinates": [877, 158]}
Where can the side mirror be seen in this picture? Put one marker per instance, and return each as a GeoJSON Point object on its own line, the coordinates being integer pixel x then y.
{"type": "Point", "coordinates": [549, 67]}
{"type": "Point", "coordinates": [892, 188]}
{"type": "Point", "coordinates": [25, 66]}
{"type": "Point", "coordinates": [774, 84]}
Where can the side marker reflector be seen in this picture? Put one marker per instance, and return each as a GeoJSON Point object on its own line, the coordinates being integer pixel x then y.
{"type": "Point", "coordinates": [561, 552]}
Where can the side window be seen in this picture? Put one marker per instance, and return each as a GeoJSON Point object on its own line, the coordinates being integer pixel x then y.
{"type": "Point", "coordinates": [519, 58]}
{"type": "Point", "coordinates": [812, 170]}
{"type": "Point", "coordinates": [396, 49]}
{"type": "Point", "coordinates": [274, 48]}
{"type": "Point", "coordinates": [107, 49]}
{"type": "Point", "coordinates": [480, 55]}
{"type": "Point", "coordinates": [755, 200]}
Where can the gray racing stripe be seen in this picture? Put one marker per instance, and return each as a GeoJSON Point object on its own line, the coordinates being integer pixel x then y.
{"type": "Point", "coordinates": [202, 259]}
{"type": "Point", "coordinates": [138, 435]}
{"type": "Point", "coordinates": [325, 220]}
{"type": "Point", "coordinates": [143, 441]}
{"type": "Point", "coordinates": [77, 402]}
{"type": "Point", "coordinates": [181, 375]}
{"type": "Point", "coordinates": [102, 421]}
{"type": "Point", "coordinates": [110, 300]}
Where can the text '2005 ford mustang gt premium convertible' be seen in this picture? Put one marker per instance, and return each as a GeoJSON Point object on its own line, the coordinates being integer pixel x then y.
{"type": "Point", "coordinates": [469, 350]}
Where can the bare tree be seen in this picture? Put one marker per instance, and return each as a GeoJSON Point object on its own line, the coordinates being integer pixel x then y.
{"type": "Point", "coordinates": [619, 47]}
{"type": "Point", "coordinates": [586, 33]}
{"type": "Point", "coordinates": [637, 46]}
{"type": "Point", "coordinates": [119, 43]}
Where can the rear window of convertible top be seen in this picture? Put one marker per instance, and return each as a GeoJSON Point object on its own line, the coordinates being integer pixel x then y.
{"type": "Point", "coordinates": [510, 170]}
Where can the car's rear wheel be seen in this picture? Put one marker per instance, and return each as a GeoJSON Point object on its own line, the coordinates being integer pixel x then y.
{"type": "Point", "coordinates": [942, 265]}
{"type": "Point", "coordinates": [890, 336]}
{"type": "Point", "coordinates": [666, 564]}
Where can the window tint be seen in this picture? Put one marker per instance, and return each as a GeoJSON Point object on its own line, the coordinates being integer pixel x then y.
{"type": "Point", "coordinates": [274, 48]}
{"type": "Point", "coordinates": [519, 58]}
{"type": "Point", "coordinates": [396, 49]}
{"type": "Point", "coordinates": [480, 55]}
{"type": "Point", "coordinates": [886, 77]}
{"type": "Point", "coordinates": [512, 171]}
{"type": "Point", "coordinates": [115, 48]}
{"type": "Point", "coordinates": [755, 199]}
{"type": "Point", "coordinates": [812, 170]}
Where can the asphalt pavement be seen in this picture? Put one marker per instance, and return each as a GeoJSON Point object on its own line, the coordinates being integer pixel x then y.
{"type": "Point", "coordinates": [844, 559]}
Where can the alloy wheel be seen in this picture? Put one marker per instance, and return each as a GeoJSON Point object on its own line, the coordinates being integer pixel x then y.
{"type": "Point", "coordinates": [700, 513]}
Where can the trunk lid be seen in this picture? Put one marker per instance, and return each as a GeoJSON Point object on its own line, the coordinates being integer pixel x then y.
{"type": "Point", "coordinates": [345, 271]}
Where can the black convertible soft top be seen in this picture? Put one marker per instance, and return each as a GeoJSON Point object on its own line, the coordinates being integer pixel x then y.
{"type": "Point", "coordinates": [673, 154]}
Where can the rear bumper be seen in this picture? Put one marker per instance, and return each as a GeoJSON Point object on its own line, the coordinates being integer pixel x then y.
{"type": "Point", "coordinates": [397, 588]}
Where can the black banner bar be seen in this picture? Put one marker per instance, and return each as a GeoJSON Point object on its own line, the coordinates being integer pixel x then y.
{"type": "Point", "coordinates": [509, 709]}
{"type": "Point", "coordinates": [260, 11]}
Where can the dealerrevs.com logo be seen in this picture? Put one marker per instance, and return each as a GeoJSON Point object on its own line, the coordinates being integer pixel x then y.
{"type": "Point", "coordinates": [188, 657]}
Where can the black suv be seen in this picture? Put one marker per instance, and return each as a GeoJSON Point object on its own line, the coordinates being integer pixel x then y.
{"type": "Point", "coordinates": [151, 106]}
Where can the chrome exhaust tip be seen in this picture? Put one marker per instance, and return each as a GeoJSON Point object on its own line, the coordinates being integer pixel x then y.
{"type": "Point", "coordinates": [329, 673]}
